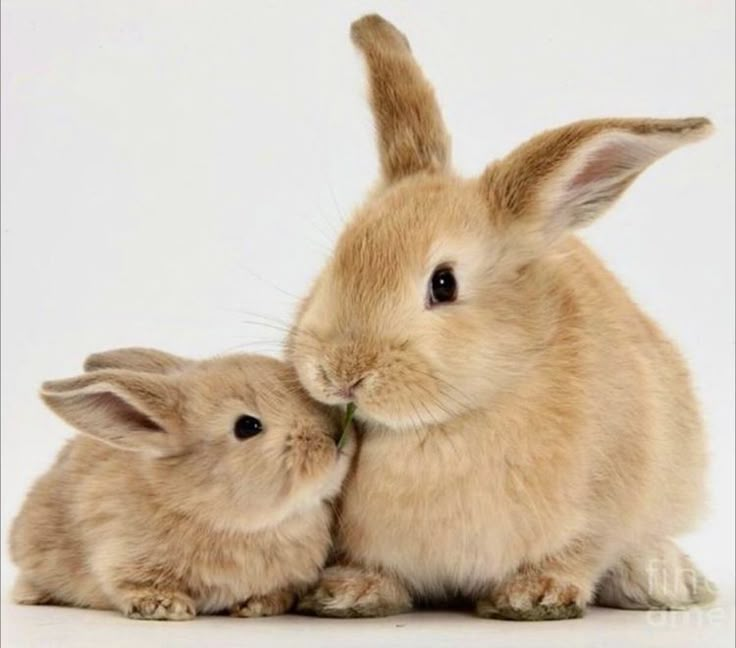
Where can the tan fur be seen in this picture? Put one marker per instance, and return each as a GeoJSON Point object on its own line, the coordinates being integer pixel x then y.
{"type": "Point", "coordinates": [410, 129]}
{"type": "Point", "coordinates": [523, 442]}
{"type": "Point", "coordinates": [159, 511]}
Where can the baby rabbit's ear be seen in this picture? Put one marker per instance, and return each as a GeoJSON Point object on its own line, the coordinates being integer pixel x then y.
{"type": "Point", "coordinates": [566, 177]}
{"type": "Point", "coordinates": [411, 133]}
{"type": "Point", "coordinates": [136, 359]}
{"type": "Point", "coordinates": [126, 409]}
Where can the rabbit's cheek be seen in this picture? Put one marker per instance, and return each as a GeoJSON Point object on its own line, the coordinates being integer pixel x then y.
{"type": "Point", "coordinates": [312, 378]}
{"type": "Point", "coordinates": [310, 455]}
{"type": "Point", "coordinates": [407, 396]}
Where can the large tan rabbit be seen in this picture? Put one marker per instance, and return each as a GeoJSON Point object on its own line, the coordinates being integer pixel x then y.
{"type": "Point", "coordinates": [197, 487]}
{"type": "Point", "coordinates": [530, 438]}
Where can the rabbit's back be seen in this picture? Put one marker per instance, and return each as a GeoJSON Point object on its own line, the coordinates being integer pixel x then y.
{"type": "Point", "coordinates": [48, 537]}
{"type": "Point", "coordinates": [632, 412]}
{"type": "Point", "coordinates": [641, 401]}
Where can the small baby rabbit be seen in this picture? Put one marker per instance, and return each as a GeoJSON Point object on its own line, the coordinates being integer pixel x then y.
{"type": "Point", "coordinates": [530, 437]}
{"type": "Point", "coordinates": [196, 487]}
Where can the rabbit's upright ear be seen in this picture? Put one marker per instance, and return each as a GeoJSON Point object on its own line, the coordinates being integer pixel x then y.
{"type": "Point", "coordinates": [136, 359]}
{"type": "Point", "coordinates": [125, 409]}
{"type": "Point", "coordinates": [565, 178]}
{"type": "Point", "coordinates": [411, 133]}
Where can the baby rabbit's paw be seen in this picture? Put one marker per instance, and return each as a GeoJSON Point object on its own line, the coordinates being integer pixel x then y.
{"type": "Point", "coordinates": [355, 592]}
{"type": "Point", "coordinates": [532, 596]}
{"type": "Point", "coordinates": [159, 606]}
{"type": "Point", "coordinates": [278, 602]}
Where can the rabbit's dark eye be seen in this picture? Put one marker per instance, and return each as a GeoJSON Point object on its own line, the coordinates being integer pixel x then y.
{"type": "Point", "coordinates": [247, 427]}
{"type": "Point", "coordinates": [442, 286]}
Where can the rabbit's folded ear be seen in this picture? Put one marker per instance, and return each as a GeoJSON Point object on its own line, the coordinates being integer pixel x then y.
{"type": "Point", "coordinates": [136, 359]}
{"type": "Point", "coordinates": [126, 409]}
{"type": "Point", "coordinates": [566, 177]}
{"type": "Point", "coordinates": [411, 134]}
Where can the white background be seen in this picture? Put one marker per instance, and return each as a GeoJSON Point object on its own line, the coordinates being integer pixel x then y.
{"type": "Point", "coordinates": [171, 167]}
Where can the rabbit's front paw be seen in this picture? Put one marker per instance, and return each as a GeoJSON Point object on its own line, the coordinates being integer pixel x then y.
{"type": "Point", "coordinates": [533, 597]}
{"type": "Point", "coordinates": [271, 604]}
{"type": "Point", "coordinates": [159, 606]}
{"type": "Point", "coordinates": [354, 592]}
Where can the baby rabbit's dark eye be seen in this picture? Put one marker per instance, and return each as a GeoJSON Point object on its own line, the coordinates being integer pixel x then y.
{"type": "Point", "coordinates": [247, 427]}
{"type": "Point", "coordinates": [442, 286]}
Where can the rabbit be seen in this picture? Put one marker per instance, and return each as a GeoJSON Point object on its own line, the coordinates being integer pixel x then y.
{"type": "Point", "coordinates": [195, 487]}
{"type": "Point", "coordinates": [530, 441]}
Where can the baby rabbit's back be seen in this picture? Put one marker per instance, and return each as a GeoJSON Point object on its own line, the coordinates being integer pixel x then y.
{"type": "Point", "coordinates": [50, 536]}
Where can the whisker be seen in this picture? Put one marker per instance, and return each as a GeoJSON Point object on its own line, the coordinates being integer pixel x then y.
{"type": "Point", "coordinates": [270, 283]}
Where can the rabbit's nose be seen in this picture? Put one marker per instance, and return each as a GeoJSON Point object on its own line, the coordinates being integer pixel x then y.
{"type": "Point", "coordinates": [343, 388]}
{"type": "Point", "coordinates": [348, 391]}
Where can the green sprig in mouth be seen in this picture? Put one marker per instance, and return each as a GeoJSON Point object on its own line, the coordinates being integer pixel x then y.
{"type": "Point", "coordinates": [349, 412]}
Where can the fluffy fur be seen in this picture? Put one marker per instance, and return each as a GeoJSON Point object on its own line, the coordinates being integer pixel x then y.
{"type": "Point", "coordinates": [159, 511]}
{"type": "Point", "coordinates": [532, 443]}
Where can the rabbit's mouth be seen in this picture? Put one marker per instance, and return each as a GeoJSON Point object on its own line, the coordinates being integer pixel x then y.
{"type": "Point", "coordinates": [315, 473]}
{"type": "Point", "coordinates": [404, 400]}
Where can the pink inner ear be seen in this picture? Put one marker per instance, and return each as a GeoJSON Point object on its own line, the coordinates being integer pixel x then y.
{"type": "Point", "coordinates": [116, 408]}
{"type": "Point", "coordinates": [611, 161]}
